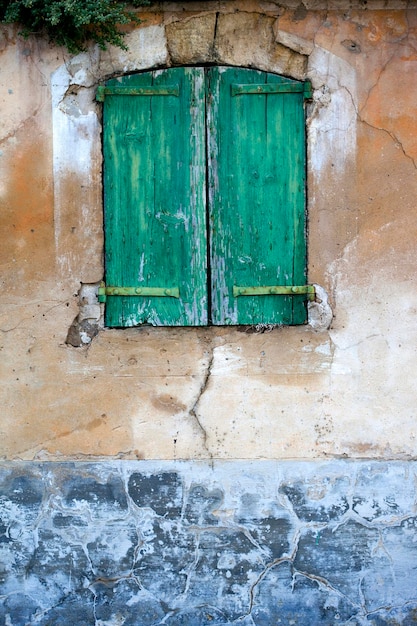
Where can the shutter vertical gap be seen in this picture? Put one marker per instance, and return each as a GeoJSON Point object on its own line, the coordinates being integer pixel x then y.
{"type": "Point", "coordinates": [207, 92]}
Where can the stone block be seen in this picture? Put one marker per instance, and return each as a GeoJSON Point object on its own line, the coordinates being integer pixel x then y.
{"type": "Point", "coordinates": [248, 40]}
{"type": "Point", "coordinates": [191, 41]}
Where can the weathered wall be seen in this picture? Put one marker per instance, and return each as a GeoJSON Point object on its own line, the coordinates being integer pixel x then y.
{"type": "Point", "coordinates": [215, 394]}
{"type": "Point", "coordinates": [137, 393]}
{"type": "Point", "coordinates": [147, 543]}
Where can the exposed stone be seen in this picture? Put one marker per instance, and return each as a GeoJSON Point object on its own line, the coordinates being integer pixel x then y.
{"type": "Point", "coordinates": [248, 39]}
{"type": "Point", "coordinates": [160, 492]}
{"type": "Point", "coordinates": [146, 47]}
{"type": "Point", "coordinates": [294, 42]}
{"type": "Point", "coordinates": [191, 41]}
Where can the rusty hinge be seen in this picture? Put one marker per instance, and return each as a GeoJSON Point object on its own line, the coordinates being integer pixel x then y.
{"type": "Point", "coordinates": [276, 290]}
{"type": "Point", "coordinates": [160, 292]}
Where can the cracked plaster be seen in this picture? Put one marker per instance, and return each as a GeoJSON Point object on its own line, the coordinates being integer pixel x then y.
{"type": "Point", "coordinates": [163, 543]}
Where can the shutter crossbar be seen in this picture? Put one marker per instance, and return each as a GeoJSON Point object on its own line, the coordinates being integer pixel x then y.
{"type": "Point", "coordinates": [153, 90]}
{"type": "Point", "coordinates": [271, 88]}
{"type": "Point", "coordinates": [276, 290]}
{"type": "Point", "coordinates": [160, 292]}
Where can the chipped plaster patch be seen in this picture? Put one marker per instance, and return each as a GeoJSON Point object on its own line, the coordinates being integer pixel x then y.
{"type": "Point", "coordinates": [75, 150]}
{"type": "Point", "coordinates": [76, 140]}
{"type": "Point", "coordinates": [89, 320]}
{"type": "Point", "coordinates": [332, 125]}
{"type": "Point", "coordinates": [319, 312]}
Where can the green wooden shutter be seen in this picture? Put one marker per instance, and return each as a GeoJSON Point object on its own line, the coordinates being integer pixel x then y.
{"type": "Point", "coordinates": [256, 162]}
{"type": "Point", "coordinates": [154, 197]}
{"type": "Point", "coordinates": [155, 166]}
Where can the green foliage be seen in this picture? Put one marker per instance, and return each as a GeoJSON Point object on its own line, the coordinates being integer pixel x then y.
{"type": "Point", "coordinates": [71, 23]}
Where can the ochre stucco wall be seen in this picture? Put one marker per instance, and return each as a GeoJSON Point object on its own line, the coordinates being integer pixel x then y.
{"type": "Point", "coordinates": [158, 393]}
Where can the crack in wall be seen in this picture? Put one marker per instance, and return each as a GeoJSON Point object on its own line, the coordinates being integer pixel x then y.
{"type": "Point", "coordinates": [375, 84]}
{"type": "Point", "coordinates": [194, 410]}
{"type": "Point", "coordinates": [37, 313]}
{"type": "Point", "coordinates": [360, 112]}
{"type": "Point", "coordinates": [395, 139]}
{"type": "Point", "coordinates": [321, 581]}
{"type": "Point", "coordinates": [325, 584]}
{"type": "Point", "coordinates": [284, 559]}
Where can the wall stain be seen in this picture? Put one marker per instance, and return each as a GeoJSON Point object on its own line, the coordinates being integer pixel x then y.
{"type": "Point", "coordinates": [166, 402]}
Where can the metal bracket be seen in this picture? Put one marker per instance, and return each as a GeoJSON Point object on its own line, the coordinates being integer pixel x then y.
{"type": "Point", "coordinates": [276, 290]}
{"type": "Point", "coordinates": [160, 292]}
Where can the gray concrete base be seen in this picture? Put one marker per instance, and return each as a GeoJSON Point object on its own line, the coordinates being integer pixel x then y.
{"type": "Point", "coordinates": [191, 544]}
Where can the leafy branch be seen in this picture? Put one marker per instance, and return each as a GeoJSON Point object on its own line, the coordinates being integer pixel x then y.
{"type": "Point", "coordinates": [72, 23]}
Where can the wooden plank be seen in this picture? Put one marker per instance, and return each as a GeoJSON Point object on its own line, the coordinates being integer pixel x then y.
{"type": "Point", "coordinates": [256, 197]}
{"type": "Point", "coordinates": [154, 177]}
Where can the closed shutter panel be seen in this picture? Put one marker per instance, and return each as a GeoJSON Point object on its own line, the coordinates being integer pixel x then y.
{"type": "Point", "coordinates": [256, 153]}
{"type": "Point", "coordinates": [154, 182]}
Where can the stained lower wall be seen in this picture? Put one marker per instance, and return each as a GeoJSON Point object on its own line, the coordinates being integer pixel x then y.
{"type": "Point", "coordinates": [251, 543]}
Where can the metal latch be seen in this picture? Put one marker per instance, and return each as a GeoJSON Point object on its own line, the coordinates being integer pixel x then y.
{"type": "Point", "coordinates": [276, 290]}
{"type": "Point", "coordinates": [160, 292]}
